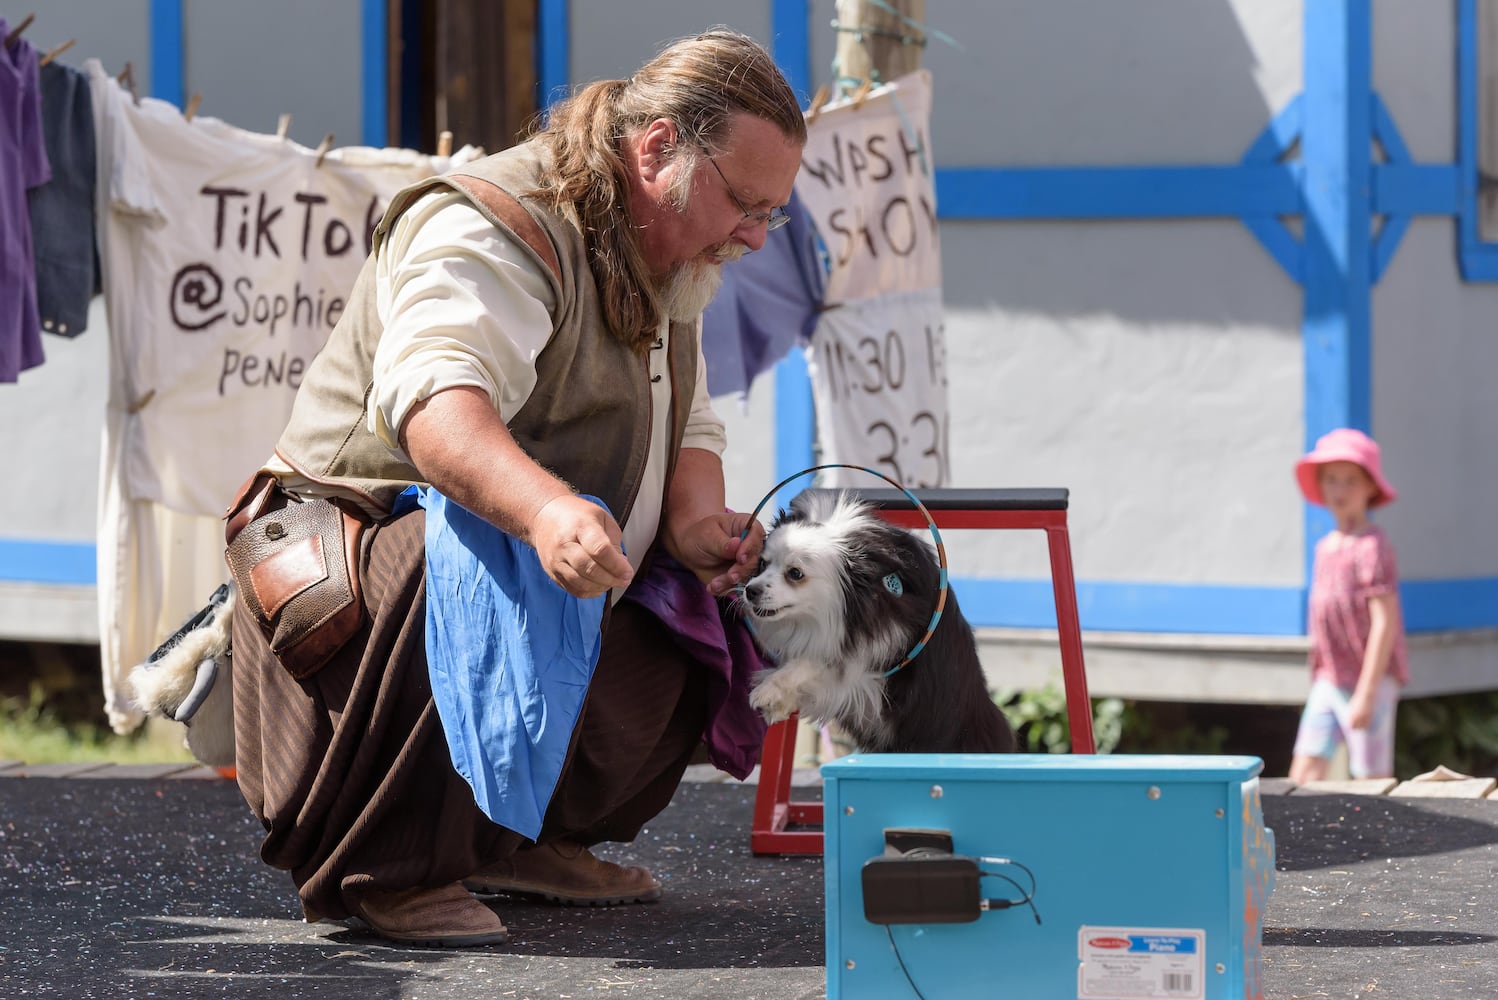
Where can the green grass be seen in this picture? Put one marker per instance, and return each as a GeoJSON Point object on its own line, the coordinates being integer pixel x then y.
{"type": "Point", "coordinates": [35, 735]}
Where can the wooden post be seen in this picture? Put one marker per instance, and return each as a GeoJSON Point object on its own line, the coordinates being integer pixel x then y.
{"type": "Point", "coordinates": [870, 42]}
{"type": "Point", "coordinates": [483, 77]}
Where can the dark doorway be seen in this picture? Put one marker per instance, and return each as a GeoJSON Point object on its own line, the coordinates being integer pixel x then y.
{"type": "Point", "coordinates": [462, 66]}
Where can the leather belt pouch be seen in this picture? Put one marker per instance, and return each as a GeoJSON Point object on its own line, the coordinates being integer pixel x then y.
{"type": "Point", "coordinates": [296, 564]}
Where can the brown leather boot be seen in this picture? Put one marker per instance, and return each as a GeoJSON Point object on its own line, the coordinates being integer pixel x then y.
{"type": "Point", "coordinates": [567, 872]}
{"type": "Point", "coordinates": [447, 917]}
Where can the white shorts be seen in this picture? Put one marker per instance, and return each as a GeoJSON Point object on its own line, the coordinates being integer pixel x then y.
{"type": "Point", "coordinates": [1323, 725]}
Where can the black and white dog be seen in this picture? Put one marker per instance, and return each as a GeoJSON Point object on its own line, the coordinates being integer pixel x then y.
{"type": "Point", "coordinates": [840, 597]}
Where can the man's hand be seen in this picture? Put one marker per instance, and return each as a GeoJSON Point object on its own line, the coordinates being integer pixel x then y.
{"type": "Point", "coordinates": [711, 548]}
{"type": "Point", "coordinates": [579, 546]}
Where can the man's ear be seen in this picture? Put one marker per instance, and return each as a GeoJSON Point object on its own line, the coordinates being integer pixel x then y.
{"type": "Point", "coordinates": [655, 148]}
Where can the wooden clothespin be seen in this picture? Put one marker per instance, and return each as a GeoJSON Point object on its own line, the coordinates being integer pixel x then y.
{"type": "Point", "coordinates": [323, 147]}
{"type": "Point", "coordinates": [862, 93]}
{"type": "Point", "coordinates": [57, 51]}
{"type": "Point", "coordinates": [283, 126]}
{"type": "Point", "coordinates": [127, 79]}
{"type": "Point", "coordinates": [15, 33]}
{"type": "Point", "coordinates": [192, 106]}
{"type": "Point", "coordinates": [445, 144]}
{"type": "Point", "coordinates": [817, 100]}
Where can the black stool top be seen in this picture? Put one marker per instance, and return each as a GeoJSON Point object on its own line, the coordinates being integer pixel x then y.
{"type": "Point", "coordinates": [960, 499]}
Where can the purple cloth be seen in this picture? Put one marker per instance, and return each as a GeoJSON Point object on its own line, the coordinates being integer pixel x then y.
{"type": "Point", "coordinates": [23, 165]}
{"type": "Point", "coordinates": [706, 630]}
{"type": "Point", "coordinates": [767, 305]}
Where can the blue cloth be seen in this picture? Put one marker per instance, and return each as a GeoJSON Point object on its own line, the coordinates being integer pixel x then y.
{"type": "Point", "coordinates": [23, 166]}
{"type": "Point", "coordinates": [62, 210]}
{"type": "Point", "coordinates": [510, 655]}
{"type": "Point", "coordinates": [767, 305]}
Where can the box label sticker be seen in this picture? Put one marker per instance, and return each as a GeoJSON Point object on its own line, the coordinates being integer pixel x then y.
{"type": "Point", "coordinates": [1141, 963]}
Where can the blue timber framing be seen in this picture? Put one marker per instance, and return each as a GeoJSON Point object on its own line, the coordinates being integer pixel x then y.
{"type": "Point", "coordinates": [166, 50]}
{"type": "Point", "coordinates": [1335, 186]}
{"type": "Point", "coordinates": [374, 46]}
{"type": "Point", "coordinates": [1479, 260]}
{"type": "Point", "coordinates": [1337, 149]}
{"type": "Point", "coordinates": [795, 410]}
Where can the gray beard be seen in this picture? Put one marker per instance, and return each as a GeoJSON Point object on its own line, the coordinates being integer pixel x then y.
{"type": "Point", "coordinates": [688, 289]}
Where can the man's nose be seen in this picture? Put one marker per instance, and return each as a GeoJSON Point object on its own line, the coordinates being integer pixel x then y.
{"type": "Point", "coordinates": [752, 234]}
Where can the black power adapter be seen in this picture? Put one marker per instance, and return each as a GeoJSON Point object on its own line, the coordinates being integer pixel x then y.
{"type": "Point", "coordinates": [921, 886]}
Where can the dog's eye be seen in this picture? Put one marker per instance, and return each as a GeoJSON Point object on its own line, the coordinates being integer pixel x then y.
{"type": "Point", "coordinates": [794, 575]}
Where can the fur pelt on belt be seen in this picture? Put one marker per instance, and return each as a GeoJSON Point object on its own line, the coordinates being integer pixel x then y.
{"type": "Point", "coordinates": [189, 678]}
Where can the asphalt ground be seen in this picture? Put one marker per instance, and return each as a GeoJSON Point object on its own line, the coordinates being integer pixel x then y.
{"type": "Point", "coordinates": [152, 887]}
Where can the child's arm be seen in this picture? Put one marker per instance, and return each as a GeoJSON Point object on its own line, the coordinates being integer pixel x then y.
{"type": "Point", "coordinates": [1383, 626]}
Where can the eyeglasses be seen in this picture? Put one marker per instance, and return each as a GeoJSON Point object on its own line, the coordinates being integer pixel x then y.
{"type": "Point", "coordinates": [771, 220]}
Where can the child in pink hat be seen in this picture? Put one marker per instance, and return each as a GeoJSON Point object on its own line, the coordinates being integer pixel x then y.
{"type": "Point", "coordinates": [1358, 657]}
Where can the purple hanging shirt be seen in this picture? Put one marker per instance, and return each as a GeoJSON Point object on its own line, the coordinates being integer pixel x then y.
{"type": "Point", "coordinates": [23, 165]}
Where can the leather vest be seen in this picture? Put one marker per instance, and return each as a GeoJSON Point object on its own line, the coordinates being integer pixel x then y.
{"type": "Point", "coordinates": [588, 418]}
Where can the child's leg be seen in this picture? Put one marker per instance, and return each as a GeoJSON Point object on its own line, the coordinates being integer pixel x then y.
{"type": "Point", "coordinates": [1370, 752]}
{"type": "Point", "coordinates": [1319, 733]}
{"type": "Point", "coordinates": [1305, 769]}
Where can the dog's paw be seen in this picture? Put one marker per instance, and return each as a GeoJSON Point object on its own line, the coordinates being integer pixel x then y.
{"type": "Point", "coordinates": [773, 697]}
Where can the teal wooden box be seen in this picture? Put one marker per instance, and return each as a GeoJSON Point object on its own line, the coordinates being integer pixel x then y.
{"type": "Point", "coordinates": [1151, 876]}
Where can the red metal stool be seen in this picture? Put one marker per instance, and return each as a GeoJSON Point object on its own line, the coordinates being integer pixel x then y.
{"type": "Point", "coordinates": [1043, 509]}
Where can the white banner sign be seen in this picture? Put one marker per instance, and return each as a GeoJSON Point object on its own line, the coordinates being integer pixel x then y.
{"type": "Point", "coordinates": [866, 178]}
{"type": "Point", "coordinates": [228, 258]}
{"type": "Point", "coordinates": [879, 379]}
{"type": "Point", "coordinates": [878, 355]}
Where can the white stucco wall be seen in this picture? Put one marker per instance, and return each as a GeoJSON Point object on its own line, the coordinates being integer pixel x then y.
{"type": "Point", "coordinates": [54, 419]}
{"type": "Point", "coordinates": [605, 45]}
{"type": "Point", "coordinates": [1435, 345]}
{"type": "Point", "coordinates": [1078, 82]}
{"type": "Point", "coordinates": [1435, 337]}
{"type": "Point", "coordinates": [315, 73]}
{"type": "Point", "coordinates": [1414, 59]}
{"type": "Point", "coordinates": [1154, 370]}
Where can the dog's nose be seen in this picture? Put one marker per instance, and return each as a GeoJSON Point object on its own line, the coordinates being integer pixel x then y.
{"type": "Point", "coordinates": [755, 591]}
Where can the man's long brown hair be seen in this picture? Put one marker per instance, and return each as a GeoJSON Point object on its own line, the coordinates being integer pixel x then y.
{"type": "Point", "coordinates": [697, 83]}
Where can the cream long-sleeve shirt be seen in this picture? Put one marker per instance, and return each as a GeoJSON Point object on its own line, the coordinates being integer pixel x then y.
{"type": "Point", "coordinates": [463, 305]}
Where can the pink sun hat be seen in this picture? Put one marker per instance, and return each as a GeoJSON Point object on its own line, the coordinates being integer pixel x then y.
{"type": "Point", "coordinates": [1344, 445]}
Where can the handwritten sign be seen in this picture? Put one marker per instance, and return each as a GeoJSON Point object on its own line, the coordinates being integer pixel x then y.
{"type": "Point", "coordinates": [866, 180]}
{"type": "Point", "coordinates": [243, 286]}
{"type": "Point", "coordinates": [229, 257]}
{"type": "Point", "coordinates": [878, 354]}
{"type": "Point", "coordinates": [879, 378]}
{"type": "Point", "coordinates": [253, 280]}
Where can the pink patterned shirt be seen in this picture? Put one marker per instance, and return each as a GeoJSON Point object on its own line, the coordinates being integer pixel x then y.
{"type": "Point", "coordinates": [1349, 569]}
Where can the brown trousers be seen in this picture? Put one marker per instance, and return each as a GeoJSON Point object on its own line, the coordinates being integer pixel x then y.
{"type": "Point", "coordinates": [349, 770]}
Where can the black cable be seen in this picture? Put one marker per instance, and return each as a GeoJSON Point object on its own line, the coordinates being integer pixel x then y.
{"type": "Point", "coordinates": [1009, 902]}
{"type": "Point", "coordinates": [1028, 899]}
{"type": "Point", "coordinates": [891, 935]}
{"type": "Point", "coordinates": [1029, 896]}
